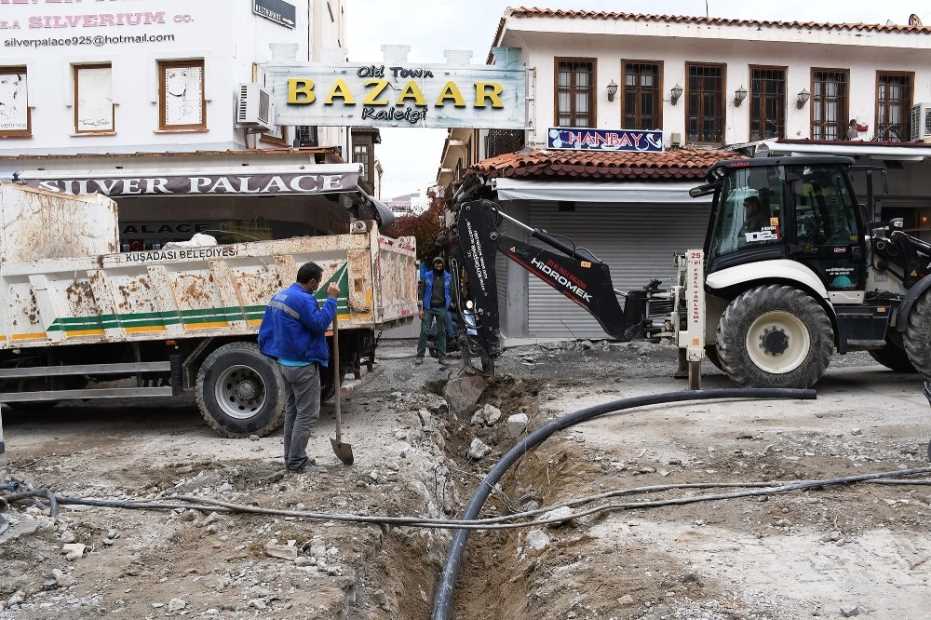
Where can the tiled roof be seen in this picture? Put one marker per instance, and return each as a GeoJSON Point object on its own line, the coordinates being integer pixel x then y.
{"type": "Point", "coordinates": [713, 21]}
{"type": "Point", "coordinates": [330, 152]}
{"type": "Point", "coordinates": [685, 163]}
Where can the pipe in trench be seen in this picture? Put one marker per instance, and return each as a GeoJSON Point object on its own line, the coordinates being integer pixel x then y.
{"type": "Point", "coordinates": [445, 590]}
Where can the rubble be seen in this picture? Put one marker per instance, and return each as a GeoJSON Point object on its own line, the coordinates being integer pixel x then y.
{"type": "Point", "coordinates": [487, 415]}
{"type": "Point", "coordinates": [176, 604]}
{"type": "Point", "coordinates": [478, 449]}
{"type": "Point", "coordinates": [565, 513]}
{"type": "Point", "coordinates": [283, 552]}
{"type": "Point", "coordinates": [73, 551]}
{"type": "Point", "coordinates": [462, 393]}
{"type": "Point", "coordinates": [537, 540]}
{"type": "Point", "coordinates": [517, 425]}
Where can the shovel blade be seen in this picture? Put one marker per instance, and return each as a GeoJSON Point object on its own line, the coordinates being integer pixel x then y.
{"type": "Point", "coordinates": [343, 451]}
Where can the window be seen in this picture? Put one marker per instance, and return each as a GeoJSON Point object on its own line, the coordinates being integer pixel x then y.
{"type": "Point", "coordinates": [360, 155]}
{"type": "Point", "coordinates": [575, 92]}
{"type": "Point", "coordinates": [15, 115]}
{"type": "Point", "coordinates": [704, 106]}
{"type": "Point", "coordinates": [825, 212]}
{"type": "Point", "coordinates": [642, 95]}
{"type": "Point", "coordinates": [829, 93]}
{"type": "Point", "coordinates": [182, 105]}
{"type": "Point", "coordinates": [93, 99]}
{"type": "Point", "coordinates": [750, 211]}
{"type": "Point", "coordinates": [893, 106]}
{"type": "Point", "coordinates": [767, 103]}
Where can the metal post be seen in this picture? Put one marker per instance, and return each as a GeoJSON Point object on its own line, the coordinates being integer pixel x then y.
{"type": "Point", "coordinates": [4, 472]}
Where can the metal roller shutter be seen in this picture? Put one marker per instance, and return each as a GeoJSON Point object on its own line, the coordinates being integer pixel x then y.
{"type": "Point", "coordinates": [637, 241]}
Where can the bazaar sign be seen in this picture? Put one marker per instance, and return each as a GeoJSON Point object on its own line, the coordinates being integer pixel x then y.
{"type": "Point", "coordinates": [383, 95]}
{"type": "Point", "coordinates": [640, 141]}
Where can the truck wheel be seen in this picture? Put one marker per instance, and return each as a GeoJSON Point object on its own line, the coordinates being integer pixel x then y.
{"type": "Point", "coordinates": [918, 336]}
{"type": "Point", "coordinates": [239, 391]}
{"type": "Point", "coordinates": [775, 336]}
{"type": "Point", "coordinates": [892, 357]}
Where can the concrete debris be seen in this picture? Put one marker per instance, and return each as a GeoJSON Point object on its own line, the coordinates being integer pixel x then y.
{"type": "Point", "coordinates": [18, 597]}
{"type": "Point", "coordinates": [282, 552]}
{"type": "Point", "coordinates": [478, 449]}
{"type": "Point", "coordinates": [517, 424]}
{"type": "Point", "coordinates": [67, 537]}
{"type": "Point", "coordinates": [462, 393]}
{"type": "Point", "coordinates": [626, 600]}
{"type": "Point", "coordinates": [856, 432]}
{"type": "Point", "coordinates": [210, 519]}
{"type": "Point", "coordinates": [305, 561]}
{"type": "Point", "coordinates": [487, 415]}
{"type": "Point", "coordinates": [176, 604]}
{"type": "Point", "coordinates": [189, 515]}
{"type": "Point", "coordinates": [537, 540]}
{"type": "Point", "coordinates": [254, 437]}
{"type": "Point", "coordinates": [113, 534]}
{"type": "Point", "coordinates": [850, 612]}
{"type": "Point", "coordinates": [258, 603]}
{"type": "Point", "coordinates": [60, 579]}
{"type": "Point", "coordinates": [73, 551]}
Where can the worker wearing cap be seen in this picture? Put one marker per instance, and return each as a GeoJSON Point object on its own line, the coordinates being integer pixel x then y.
{"type": "Point", "coordinates": [437, 297]}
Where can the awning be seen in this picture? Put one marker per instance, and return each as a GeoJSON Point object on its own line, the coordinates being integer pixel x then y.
{"type": "Point", "coordinates": [595, 191]}
{"type": "Point", "coordinates": [866, 149]}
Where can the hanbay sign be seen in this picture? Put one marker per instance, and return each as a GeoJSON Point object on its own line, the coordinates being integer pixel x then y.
{"type": "Point", "coordinates": [408, 95]}
{"type": "Point", "coordinates": [641, 141]}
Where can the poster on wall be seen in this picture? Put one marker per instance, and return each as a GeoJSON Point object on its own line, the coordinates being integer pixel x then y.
{"type": "Point", "coordinates": [14, 107]}
{"type": "Point", "coordinates": [184, 92]}
{"type": "Point", "coordinates": [95, 99]}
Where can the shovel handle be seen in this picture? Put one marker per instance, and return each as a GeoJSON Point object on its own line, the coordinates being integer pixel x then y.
{"type": "Point", "coordinates": [336, 377]}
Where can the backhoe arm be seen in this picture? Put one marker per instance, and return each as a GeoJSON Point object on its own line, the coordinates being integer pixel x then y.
{"type": "Point", "coordinates": [575, 273]}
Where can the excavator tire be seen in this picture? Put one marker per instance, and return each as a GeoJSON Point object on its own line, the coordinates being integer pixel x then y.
{"type": "Point", "coordinates": [918, 336]}
{"type": "Point", "coordinates": [775, 336]}
{"type": "Point", "coordinates": [893, 357]}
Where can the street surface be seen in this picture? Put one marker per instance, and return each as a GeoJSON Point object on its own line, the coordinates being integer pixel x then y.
{"type": "Point", "coordinates": [858, 551]}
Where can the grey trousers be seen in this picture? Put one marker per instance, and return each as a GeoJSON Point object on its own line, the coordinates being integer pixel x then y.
{"type": "Point", "coordinates": [303, 409]}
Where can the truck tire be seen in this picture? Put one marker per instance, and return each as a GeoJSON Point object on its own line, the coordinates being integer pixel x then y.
{"type": "Point", "coordinates": [918, 336]}
{"type": "Point", "coordinates": [775, 336]}
{"type": "Point", "coordinates": [240, 392]}
{"type": "Point", "coordinates": [892, 357]}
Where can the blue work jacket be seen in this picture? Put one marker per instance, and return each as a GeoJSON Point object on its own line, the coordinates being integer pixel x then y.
{"type": "Point", "coordinates": [294, 326]}
{"type": "Point", "coordinates": [428, 289]}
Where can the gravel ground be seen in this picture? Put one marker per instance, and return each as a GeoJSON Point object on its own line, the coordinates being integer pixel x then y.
{"type": "Point", "coordinates": [835, 553]}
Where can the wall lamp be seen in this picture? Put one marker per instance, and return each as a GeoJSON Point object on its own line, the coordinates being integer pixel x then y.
{"type": "Point", "coordinates": [675, 94]}
{"type": "Point", "coordinates": [739, 96]}
{"type": "Point", "coordinates": [802, 98]}
{"type": "Point", "coordinates": [612, 90]}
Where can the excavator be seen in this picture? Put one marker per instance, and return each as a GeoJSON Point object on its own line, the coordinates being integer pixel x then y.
{"type": "Point", "coordinates": [793, 268]}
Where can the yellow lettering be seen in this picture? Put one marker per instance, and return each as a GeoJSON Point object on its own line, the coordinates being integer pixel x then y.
{"type": "Point", "coordinates": [301, 91]}
{"type": "Point", "coordinates": [450, 91]}
{"type": "Point", "coordinates": [481, 94]}
{"type": "Point", "coordinates": [378, 87]}
{"type": "Point", "coordinates": [412, 91]}
{"type": "Point", "coordinates": [340, 90]}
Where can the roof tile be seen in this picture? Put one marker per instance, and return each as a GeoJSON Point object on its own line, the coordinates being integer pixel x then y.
{"type": "Point", "coordinates": [685, 163]}
{"type": "Point", "coordinates": [715, 21]}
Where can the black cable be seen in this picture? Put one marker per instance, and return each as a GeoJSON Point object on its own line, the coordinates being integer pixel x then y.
{"type": "Point", "coordinates": [445, 590]}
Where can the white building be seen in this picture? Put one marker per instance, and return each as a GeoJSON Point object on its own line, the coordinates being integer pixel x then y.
{"type": "Point", "coordinates": [705, 83]}
{"type": "Point", "coordinates": [138, 90]}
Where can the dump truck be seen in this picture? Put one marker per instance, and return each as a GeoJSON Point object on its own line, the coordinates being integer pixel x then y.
{"type": "Point", "coordinates": [81, 320]}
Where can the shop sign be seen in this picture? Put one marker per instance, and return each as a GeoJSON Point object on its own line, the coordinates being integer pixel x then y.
{"type": "Point", "coordinates": [607, 140]}
{"type": "Point", "coordinates": [278, 11]}
{"type": "Point", "coordinates": [241, 184]}
{"type": "Point", "coordinates": [384, 95]}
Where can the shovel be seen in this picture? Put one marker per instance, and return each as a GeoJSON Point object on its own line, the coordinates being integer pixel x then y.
{"type": "Point", "coordinates": [343, 450]}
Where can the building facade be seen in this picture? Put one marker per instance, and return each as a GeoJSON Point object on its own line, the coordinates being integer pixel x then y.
{"type": "Point", "coordinates": [132, 91]}
{"type": "Point", "coordinates": [706, 84]}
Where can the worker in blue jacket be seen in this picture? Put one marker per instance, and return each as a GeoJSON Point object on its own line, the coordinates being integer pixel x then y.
{"type": "Point", "coordinates": [293, 332]}
{"type": "Point", "coordinates": [437, 297]}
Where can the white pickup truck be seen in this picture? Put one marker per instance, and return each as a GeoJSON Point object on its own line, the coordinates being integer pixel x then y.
{"type": "Point", "coordinates": [76, 313]}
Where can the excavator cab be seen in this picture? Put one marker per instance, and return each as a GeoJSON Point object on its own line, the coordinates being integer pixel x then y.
{"type": "Point", "coordinates": [800, 209]}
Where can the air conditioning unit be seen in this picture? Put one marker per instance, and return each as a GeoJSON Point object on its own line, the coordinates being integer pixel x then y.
{"type": "Point", "coordinates": [921, 122]}
{"type": "Point", "coordinates": [254, 108]}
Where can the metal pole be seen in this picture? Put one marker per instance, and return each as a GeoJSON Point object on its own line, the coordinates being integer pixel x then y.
{"type": "Point", "coordinates": [4, 473]}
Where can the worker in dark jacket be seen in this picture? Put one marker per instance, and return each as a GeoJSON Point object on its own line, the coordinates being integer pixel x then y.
{"type": "Point", "coordinates": [293, 332]}
{"type": "Point", "coordinates": [437, 296]}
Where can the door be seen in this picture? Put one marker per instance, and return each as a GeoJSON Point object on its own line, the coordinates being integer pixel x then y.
{"type": "Point", "coordinates": [827, 231]}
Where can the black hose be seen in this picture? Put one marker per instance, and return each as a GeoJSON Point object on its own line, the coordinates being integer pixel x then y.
{"type": "Point", "coordinates": [445, 590]}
